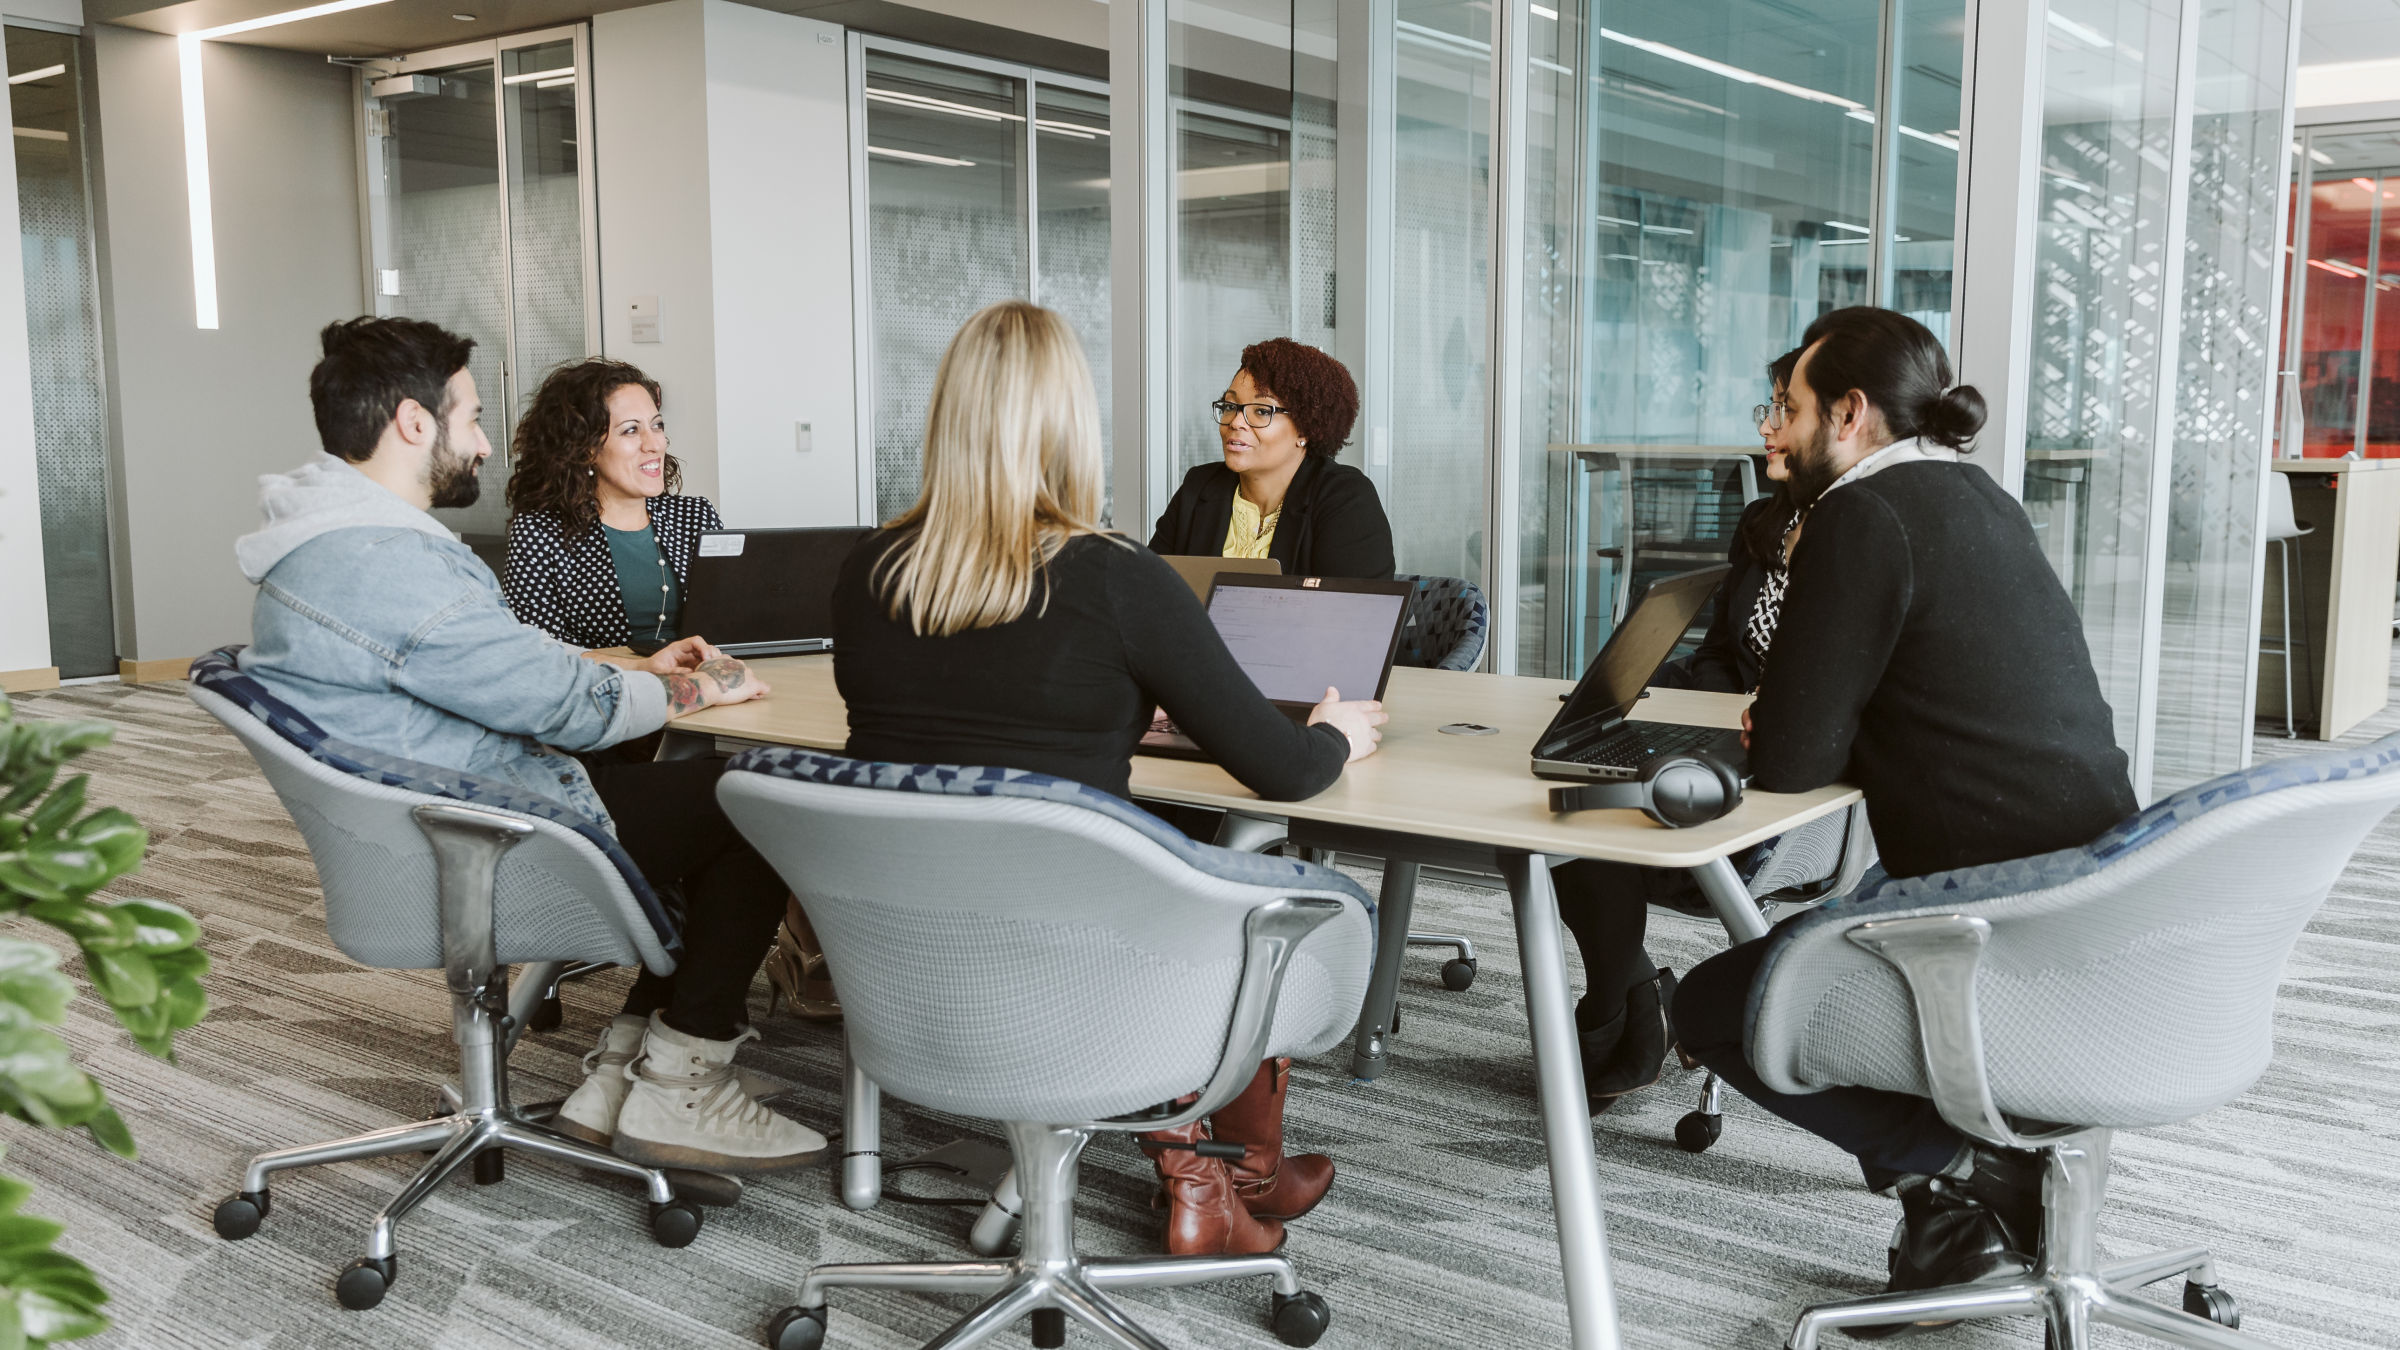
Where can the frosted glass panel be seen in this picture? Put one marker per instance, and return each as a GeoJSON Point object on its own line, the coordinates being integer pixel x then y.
{"type": "Point", "coordinates": [1071, 182]}
{"type": "Point", "coordinates": [545, 211]}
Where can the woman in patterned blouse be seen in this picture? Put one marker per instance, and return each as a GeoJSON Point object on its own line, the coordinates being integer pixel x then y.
{"type": "Point", "coordinates": [1621, 1022]}
{"type": "Point", "coordinates": [598, 539]}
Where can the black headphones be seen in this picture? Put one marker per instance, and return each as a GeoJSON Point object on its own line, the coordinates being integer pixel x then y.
{"type": "Point", "coordinates": [1674, 790]}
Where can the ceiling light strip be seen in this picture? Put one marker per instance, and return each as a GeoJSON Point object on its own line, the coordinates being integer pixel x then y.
{"type": "Point", "coordinates": [44, 73]}
{"type": "Point", "coordinates": [288, 16]}
{"type": "Point", "coordinates": [532, 75]}
{"type": "Point", "coordinates": [195, 172]}
{"type": "Point", "coordinates": [914, 158]}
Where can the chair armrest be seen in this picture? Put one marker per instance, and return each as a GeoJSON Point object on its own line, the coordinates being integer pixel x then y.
{"type": "Point", "coordinates": [1937, 955]}
{"type": "Point", "coordinates": [467, 846]}
{"type": "Point", "coordinates": [1271, 934]}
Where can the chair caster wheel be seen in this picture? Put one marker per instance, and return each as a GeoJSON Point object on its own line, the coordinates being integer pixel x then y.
{"type": "Point", "coordinates": [547, 1015]}
{"type": "Point", "coordinates": [1458, 975]}
{"type": "Point", "coordinates": [366, 1281]}
{"type": "Point", "coordinates": [239, 1217]}
{"type": "Point", "coordinates": [675, 1224]}
{"type": "Point", "coordinates": [1696, 1131]}
{"type": "Point", "coordinates": [491, 1167]}
{"type": "Point", "coordinates": [797, 1329]}
{"type": "Point", "coordinates": [1049, 1328]}
{"type": "Point", "coordinates": [1301, 1318]}
{"type": "Point", "coordinates": [2213, 1302]}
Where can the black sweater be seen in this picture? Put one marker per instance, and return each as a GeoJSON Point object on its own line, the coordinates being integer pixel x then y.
{"type": "Point", "coordinates": [1332, 525]}
{"type": "Point", "coordinates": [1927, 653]}
{"type": "Point", "coordinates": [1723, 663]}
{"type": "Point", "coordinates": [1068, 689]}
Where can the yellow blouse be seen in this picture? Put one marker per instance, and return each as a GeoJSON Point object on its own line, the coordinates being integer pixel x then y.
{"type": "Point", "coordinates": [1247, 536]}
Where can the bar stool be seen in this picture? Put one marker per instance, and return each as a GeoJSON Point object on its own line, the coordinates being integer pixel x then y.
{"type": "Point", "coordinates": [2281, 530]}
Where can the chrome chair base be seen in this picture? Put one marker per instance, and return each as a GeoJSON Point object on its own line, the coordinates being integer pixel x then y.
{"type": "Point", "coordinates": [479, 1122]}
{"type": "Point", "coordinates": [2073, 1291]}
{"type": "Point", "coordinates": [1047, 1280]}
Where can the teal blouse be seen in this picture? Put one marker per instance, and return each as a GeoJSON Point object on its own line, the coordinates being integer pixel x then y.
{"type": "Point", "coordinates": [652, 600]}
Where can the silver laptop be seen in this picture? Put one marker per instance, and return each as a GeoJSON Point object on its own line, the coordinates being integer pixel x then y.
{"type": "Point", "coordinates": [1592, 737]}
{"type": "Point", "coordinates": [1296, 636]}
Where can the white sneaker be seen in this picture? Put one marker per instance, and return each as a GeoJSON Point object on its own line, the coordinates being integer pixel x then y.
{"type": "Point", "coordinates": [688, 1108]}
{"type": "Point", "coordinates": [590, 1114]}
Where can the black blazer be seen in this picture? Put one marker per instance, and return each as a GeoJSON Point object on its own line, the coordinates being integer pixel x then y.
{"type": "Point", "coordinates": [1723, 664]}
{"type": "Point", "coordinates": [1333, 525]}
{"type": "Point", "coordinates": [568, 587]}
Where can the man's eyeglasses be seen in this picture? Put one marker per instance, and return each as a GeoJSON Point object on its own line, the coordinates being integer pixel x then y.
{"type": "Point", "coordinates": [1256, 414]}
{"type": "Point", "coordinates": [1772, 416]}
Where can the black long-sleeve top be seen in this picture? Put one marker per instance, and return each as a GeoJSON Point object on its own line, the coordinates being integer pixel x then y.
{"type": "Point", "coordinates": [1927, 653]}
{"type": "Point", "coordinates": [1332, 524]}
{"type": "Point", "coordinates": [1067, 688]}
{"type": "Point", "coordinates": [1724, 663]}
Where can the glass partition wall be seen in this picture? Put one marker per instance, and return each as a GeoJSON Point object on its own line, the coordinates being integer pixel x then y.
{"type": "Point", "coordinates": [479, 217]}
{"type": "Point", "coordinates": [984, 181]}
{"type": "Point", "coordinates": [2342, 334]}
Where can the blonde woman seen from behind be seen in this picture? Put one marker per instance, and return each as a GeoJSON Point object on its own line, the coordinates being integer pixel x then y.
{"type": "Point", "coordinates": [997, 622]}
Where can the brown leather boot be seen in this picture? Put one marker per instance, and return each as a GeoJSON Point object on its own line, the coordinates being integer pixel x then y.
{"type": "Point", "coordinates": [1204, 1216]}
{"type": "Point", "coordinates": [1271, 1185]}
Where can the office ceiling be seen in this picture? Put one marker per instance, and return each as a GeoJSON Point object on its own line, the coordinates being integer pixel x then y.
{"type": "Point", "coordinates": [2350, 30]}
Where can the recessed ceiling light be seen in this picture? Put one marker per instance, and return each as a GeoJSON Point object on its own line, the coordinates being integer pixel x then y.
{"type": "Point", "coordinates": [464, 18]}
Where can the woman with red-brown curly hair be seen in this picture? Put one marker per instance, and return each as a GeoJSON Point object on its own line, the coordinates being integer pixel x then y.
{"type": "Point", "coordinates": [1280, 493]}
{"type": "Point", "coordinates": [598, 538]}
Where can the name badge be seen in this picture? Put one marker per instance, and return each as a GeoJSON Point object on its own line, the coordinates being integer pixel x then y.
{"type": "Point", "coordinates": [722, 545]}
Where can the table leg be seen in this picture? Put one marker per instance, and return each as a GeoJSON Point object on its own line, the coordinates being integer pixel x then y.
{"type": "Point", "coordinates": [684, 745]}
{"type": "Point", "coordinates": [1730, 898]}
{"type": "Point", "coordinates": [1566, 1116]}
{"type": "Point", "coordinates": [1392, 911]}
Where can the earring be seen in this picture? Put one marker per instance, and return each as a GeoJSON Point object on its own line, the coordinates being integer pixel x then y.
{"type": "Point", "coordinates": [591, 473]}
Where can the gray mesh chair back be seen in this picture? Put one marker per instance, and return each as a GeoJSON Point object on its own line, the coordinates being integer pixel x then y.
{"type": "Point", "coordinates": [2127, 983]}
{"type": "Point", "coordinates": [1447, 623]}
{"type": "Point", "coordinates": [427, 868]}
{"type": "Point", "coordinates": [1027, 949]}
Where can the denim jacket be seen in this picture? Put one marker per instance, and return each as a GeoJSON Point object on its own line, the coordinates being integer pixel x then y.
{"type": "Point", "coordinates": [373, 619]}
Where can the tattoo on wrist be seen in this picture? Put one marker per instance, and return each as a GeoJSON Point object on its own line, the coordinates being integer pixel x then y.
{"type": "Point", "coordinates": [729, 673]}
{"type": "Point", "coordinates": [684, 694]}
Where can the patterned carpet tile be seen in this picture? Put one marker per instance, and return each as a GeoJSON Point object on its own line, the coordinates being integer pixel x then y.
{"type": "Point", "coordinates": [1438, 1233]}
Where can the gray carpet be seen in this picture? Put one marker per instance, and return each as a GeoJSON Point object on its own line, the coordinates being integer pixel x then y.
{"type": "Point", "coordinates": [1438, 1233]}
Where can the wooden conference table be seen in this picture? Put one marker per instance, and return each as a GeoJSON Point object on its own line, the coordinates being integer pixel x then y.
{"type": "Point", "coordinates": [1427, 796]}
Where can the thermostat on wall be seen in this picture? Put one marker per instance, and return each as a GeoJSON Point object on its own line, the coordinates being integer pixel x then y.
{"type": "Point", "coordinates": [645, 318]}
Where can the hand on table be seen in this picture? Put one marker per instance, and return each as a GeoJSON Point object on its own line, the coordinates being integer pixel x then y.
{"type": "Point", "coordinates": [716, 680]}
{"type": "Point", "coordinates": [1357, 719]}
{"type": "Point", "coordinates": [683, 654]}
{"type": "Point", "coordinates": [1745, 728]}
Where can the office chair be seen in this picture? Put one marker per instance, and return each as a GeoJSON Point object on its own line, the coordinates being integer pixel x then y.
{"type": "Point", "coordinates": [1144, 967]}
{"type": "Point", "coordinates": [2281, 530]}
{"type": "Point", "coordinates": [429, 868]}
{"type": "Point", "coordinates": [2047, 1002]}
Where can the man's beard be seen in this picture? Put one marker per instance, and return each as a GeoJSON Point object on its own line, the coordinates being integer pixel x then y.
{"type": "Point", "coordinates": [451, 480]}
{"type": "Point", "coordinates": [1811, 466]}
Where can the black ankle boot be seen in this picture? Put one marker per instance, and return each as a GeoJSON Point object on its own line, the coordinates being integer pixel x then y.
{"type": "Point", "coordinates": [1640, 1054]}
{"type": "Point", "coordinates": [1948, 1236]}
{"type": "Point", "coordinates": [1597, 1045]}
{"type": "Point", "coordinates": [2009, 1183]}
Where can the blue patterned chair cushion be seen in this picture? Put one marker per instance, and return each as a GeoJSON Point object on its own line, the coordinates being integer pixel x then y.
{"type": "Point", "coordinates": [950, 780]}
{"type": "Point", "coordinates": [1447, 624]}
{"type": "Point", "coordinates": [219, 675]}
{"type": "Point", "coordinates": [1880, 894]}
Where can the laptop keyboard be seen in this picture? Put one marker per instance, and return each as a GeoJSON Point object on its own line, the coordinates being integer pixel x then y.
{"type": "Point", "coordinates": [1637, 743]}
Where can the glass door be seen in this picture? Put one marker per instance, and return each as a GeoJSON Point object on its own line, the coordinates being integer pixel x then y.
{"type": "Point", "coordinates": [62, 320]}
{"type": "Point", "coordinates": [479, 218]}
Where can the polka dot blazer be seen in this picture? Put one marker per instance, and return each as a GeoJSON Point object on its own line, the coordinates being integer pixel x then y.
{"type": "Point", "coordinates": [568, 587]}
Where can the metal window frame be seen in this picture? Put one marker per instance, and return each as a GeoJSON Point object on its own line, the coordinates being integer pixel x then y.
{"type": "Point", "coordinates": [1030, 80]}
{"type": "Point", "coordinates": [1883, 210]}
{"type": "Point", "coordinates": [1141, 207]}
{"type": "Point", "coordinates": [1366, 180]}
{"type": "Point", "coordinates": [1504, 382]}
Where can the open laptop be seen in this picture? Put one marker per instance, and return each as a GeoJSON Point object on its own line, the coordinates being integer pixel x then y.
{"type": "Point", "coordinates": [1200, 572]}
{"type": "Point", "coordinates": [764, 592]}
{"type": "Point", "coordinates": [1591, 736]}
{"type": "Point", "coordinates": [1294, 636]}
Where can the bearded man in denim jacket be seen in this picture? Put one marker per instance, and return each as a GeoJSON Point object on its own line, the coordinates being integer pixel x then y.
{"type": "Point", "coordinates": [376, 622]}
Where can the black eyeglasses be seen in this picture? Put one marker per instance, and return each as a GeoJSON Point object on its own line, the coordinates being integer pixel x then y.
{"type": "Point", "coordinates": [1256, 414]}
{"type": "Point", "coordinates": [1772, 416]}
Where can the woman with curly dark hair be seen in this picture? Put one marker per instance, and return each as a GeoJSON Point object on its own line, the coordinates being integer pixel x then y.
{"type": "Point", "coordinates": [598, 539]}
{"type": "Point", "coordinates": [1279, 492]}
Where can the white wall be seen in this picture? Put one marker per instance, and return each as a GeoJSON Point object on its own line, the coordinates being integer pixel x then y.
{"type": "Point", "coordinates": [197, 415]}
{"type": "Point", "coordinates": [746, 246]}
{"type": "Point", "coordinates": [24, 607]}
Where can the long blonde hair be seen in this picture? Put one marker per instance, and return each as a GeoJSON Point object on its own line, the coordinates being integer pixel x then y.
{"type": "Point", "coordinates": [1012, 472]}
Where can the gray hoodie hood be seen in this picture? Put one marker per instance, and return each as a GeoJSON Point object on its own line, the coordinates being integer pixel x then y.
{"type": "Point", "coordinates": [319, 497]}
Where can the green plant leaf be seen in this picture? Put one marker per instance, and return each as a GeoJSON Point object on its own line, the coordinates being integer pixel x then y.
{"type": "Point", "coordinates": [30, 983]}
{"type": "Point", "coordinates": [115, 836]}
{"type": "Point", "coordinates": [81, 920]}
{"type": "Point", "coordinates": [108, 1131]}
{"type": "Point", "coordinates": [69, 866]}
{"type": "Point", "coordinates": [41, 1077]}
{"type": "Point", "coordinates": [23, 1233]}
{"type": "Point", "coordinates": [54, 742]}
{"type": "Point", "coordinates": [16, 876]}
{"type": "Point", "coordinates": [159, 927]}
{"type": "Point", "coordinates": [60, 808]}
{"type": "Point", "coordinates": [124, 978]}
{"type": "Point", "coordinates": [12, 1322]}
{"type": "Point", "coordinates": [26, 788]}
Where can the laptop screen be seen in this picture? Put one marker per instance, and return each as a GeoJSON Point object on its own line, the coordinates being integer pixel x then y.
{"type": "Point", "coordinates": [1624, 667]}
{"type": "Point", "coordinates": [1295, 641]}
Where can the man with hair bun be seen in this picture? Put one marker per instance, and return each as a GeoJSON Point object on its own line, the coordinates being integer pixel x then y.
{"type": "Point", "coordinates": [1927, 653]}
